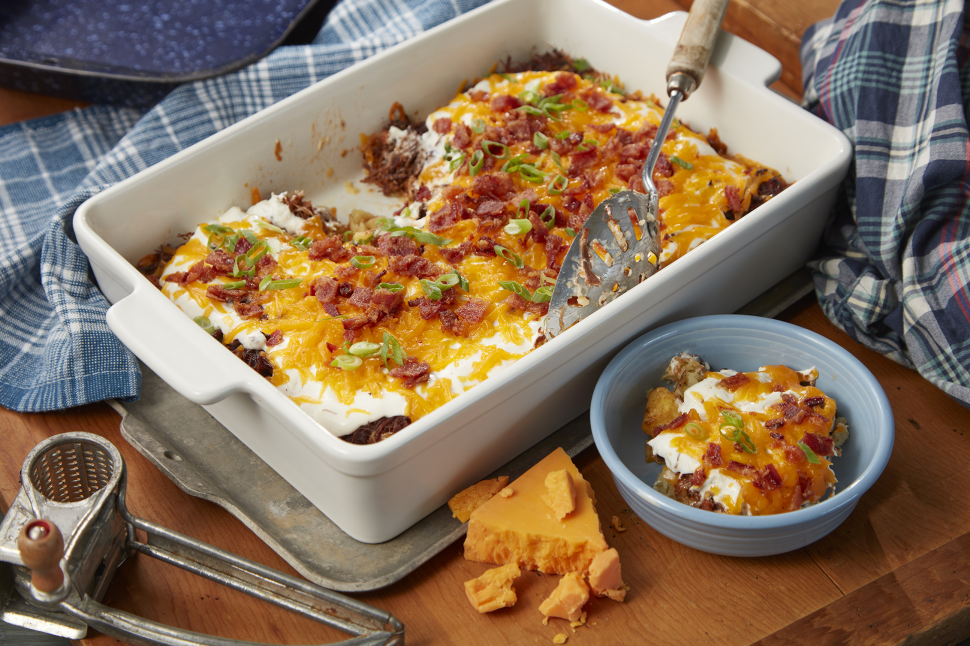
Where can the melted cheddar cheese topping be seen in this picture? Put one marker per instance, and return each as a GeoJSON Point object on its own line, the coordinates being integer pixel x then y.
{"type": "Point", "coordinates": [762, 447]}
{"type": "Point", "coordinates": [602, 139]}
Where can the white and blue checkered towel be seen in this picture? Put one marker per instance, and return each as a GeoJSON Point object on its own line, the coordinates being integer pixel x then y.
{"type": "Point", "coordinates": [895, 272]}
{"type": "Point", "coordinates": [56, 350]}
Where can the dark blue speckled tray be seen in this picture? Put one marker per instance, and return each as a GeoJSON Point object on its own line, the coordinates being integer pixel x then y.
{"type": "Point", "coordinates": [133, 52]}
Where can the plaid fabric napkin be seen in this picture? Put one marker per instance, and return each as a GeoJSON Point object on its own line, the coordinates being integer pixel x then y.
{"type": "Point", "coordinates": [894, 77]}
{"type": "Point", "coordinates": [56, 350]}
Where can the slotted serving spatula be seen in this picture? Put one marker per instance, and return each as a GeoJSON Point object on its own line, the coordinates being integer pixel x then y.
{"type": "Point", "coordinates": [617, 247]}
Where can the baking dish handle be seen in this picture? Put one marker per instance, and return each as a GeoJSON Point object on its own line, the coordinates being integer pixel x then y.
{"type": "Point", "coordinates": [175, 347]}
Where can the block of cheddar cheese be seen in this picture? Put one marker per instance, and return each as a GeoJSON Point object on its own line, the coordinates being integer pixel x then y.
{"type": "Point", "coordinates": [523, 529]}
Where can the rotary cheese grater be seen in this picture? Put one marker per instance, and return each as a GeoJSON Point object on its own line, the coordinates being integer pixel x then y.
{"type": "Point", "coordinates": [68, 530]}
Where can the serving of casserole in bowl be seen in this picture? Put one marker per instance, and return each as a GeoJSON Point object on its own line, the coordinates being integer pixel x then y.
{"type": "Point", "coordinates": [242, 265]}
{"type": "Point", "coordinates": [776, 435]}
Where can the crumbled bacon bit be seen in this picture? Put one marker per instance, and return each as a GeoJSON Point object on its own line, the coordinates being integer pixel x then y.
{"type": "Point", "coordinates": [412, 265]}
{"type": "Point", "coordinates": [770, 478]}
{"type": "Point", "coordinates": [473, 311]}
{"type": "Point", "coordinates": [325, 289]}
{"type": "Point", "coordinates": [397, 246]}
{"type": "Point", "coordinates": [248, 310]}
{"type": "Point", "coordinates": [734, 382]}
{"type": "Point", "coordinates": [361, 297]}
{"type": "Point", "coordinates": [442, 125]}
{"type": "Point", "coordinates": [677, 422]}
{"type": "Point", "coordinates": [822, 446]}
{"type": "Point", "coordinates": [275, 338]}
{"type": "Point", "coordinates": [330, 248]}
{"type": "Point", "coordinates": [412, 373]}
{"type": "Point", "coordinates": [812, 402]}
{"type": "Point", "coordinates": [698, 477]}
{"type": "Point", "coordinates": [713, 455]}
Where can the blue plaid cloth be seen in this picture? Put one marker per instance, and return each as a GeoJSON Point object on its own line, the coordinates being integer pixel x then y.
{"type": "Point", "coordinates": [894, 77]}
{"type": "Point", "coordinates": [56, 350]}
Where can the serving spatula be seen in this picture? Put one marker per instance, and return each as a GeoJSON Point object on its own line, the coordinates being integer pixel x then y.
{"type": "Point", "coordinates": [617, 247]}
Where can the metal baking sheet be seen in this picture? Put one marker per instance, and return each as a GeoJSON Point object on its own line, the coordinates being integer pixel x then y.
{"type": "Point", "coordinates": [207, 461]}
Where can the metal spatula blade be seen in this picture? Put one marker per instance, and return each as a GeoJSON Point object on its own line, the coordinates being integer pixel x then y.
{"type": "Point", "coordinates": [617, 247]}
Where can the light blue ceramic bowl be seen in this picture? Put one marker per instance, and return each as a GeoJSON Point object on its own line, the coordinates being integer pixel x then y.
{"type": "Point", "coordinates": [741, 343]}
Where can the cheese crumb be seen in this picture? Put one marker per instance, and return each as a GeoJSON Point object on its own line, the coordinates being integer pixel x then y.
{"type": "Point", "coordinates": [493, 589]}
{"type": "Point", "coordinates": [506, 493]}
{"type": "Point", "coordinates": [578, 623]}
{"type": "Point", "coordinates": [617, 525]}
{"type": "Point", "coordinates": [560, 638]}
{"type": "Point", "coordinates": [468, 500]}
{"type": "Point", "coordinates": [561, 493]}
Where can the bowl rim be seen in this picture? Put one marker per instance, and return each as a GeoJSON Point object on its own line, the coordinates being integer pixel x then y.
{"type": "Point", "coordinates": [849, 496]}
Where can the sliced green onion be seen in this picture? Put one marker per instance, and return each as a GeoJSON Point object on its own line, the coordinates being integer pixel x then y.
{"type": "Point", "coordinates": [478, 126]}
{"type": "Point", "coordinates": [540, 140]}
{"type": "Point", "coordinates": [206, 325]}
{"type": "Point", "coordinates": [348, 235]}
{"type": "Point", "coordinates": [591, 142]}
{"type": "Point", "coordinates": [503, 149]}
{"type": "Point", "coordinates": [522, 211]}
{"type": "Point", "coordinates": [448, 281]}
{"type": "Point", "coordinates": [237, 272]}
{"type": "Point", "coordinates": [542, 294]}
{"type": "Point", "coordinates": [215, 241]}
{"type": "Point", "coordinates": [558, 185]}
{"type": "Point", "coordinates": [580, 65]}
{"type": "Point", "coordinates": [431, 290]}
{"type": "Point", "coordinates": [512, 165]}
{"type": "Point", "coordinates": [747, 444]}
{"type": "Point", "coordinates": [253, 255]}
{"type": "Point", "coordinates": [426, 237]}
{"type": "Point", "coordinates": [478, 158]}
{"type": "Point", "coordinates": [518, 227]}
{"type": "Point", "coordinates": [347, 362]}
{"type": "Point", "coordinates": [263, 284]}
{"type": "Point", "coordinates": [696, 431]}
{"type": "Point", "coordinates": [462, 281]}
{"type": "Point", "coordinates": [614, 191]}
{"type": "Point", "coordinates": [734, 433]}
{"type": "Point", "coordinates": [391, 287]}
{"type": "Point", "coordinates": [548, 217]}
{"type": "Point", "coordinates": [508, 77]}
{"type": "Point", "coordinates": [509, 256]}
{"type": "Point", "coordinates": [391, 348]}
{"type": "Point", "coordinates": [249, 235]}
{"type": "Point", "coordinates": [267, 225]}
{"type": "Point", "coordinates": [302, 243]}
{"type": "Point", "coordinates": [363, 262]}
{"type": "Point", "coordinates": [608, 85]}
{"type": "Point", "coordinates": [809, 453]}
{"type": "Point", "coordinates": [563, 135]}
{"type": "Point", "coordinates": [218, 228]}
{"type": "Point", "coordinates": [528, 96]}
{"type": "Point", "coordinates": [529, 109]}
{"type": "Point", "coordinates": [557, 160]}
{"type": "Point", "coordinates": [364, 349]}
{"type": "Point", "coordinates": [236, 284]}
{"type": "Point", "coordinates": [680, 162]}
{"type": "Point", "coordinates": [283, 284]}
{"type": "Point", "coordinates": [571, 232]}
{"type": "Point", "coordinates": [580, 106]}
{"type": "Point", "coordinates": [732, 418]}
{"type": "Point", "coordinates": [456, 162]}
{"type": "Point", "coordinates": [515, 288]}
{"type": "Point", "coordinates": [530, 173]}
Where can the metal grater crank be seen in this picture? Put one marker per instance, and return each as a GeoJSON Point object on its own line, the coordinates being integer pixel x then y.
{"type": "Point", "coordinates": [68, 530]}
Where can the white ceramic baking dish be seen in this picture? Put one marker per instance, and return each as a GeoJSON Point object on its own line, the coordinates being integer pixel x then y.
{"type": "Point", "coordinates": [375, 492]}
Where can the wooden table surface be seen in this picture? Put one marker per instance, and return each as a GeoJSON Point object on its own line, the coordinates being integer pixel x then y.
{"type": "Point", "coordinates": [898, 570]}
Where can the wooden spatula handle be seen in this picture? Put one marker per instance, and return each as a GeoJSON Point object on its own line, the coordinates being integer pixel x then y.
{"type": "Point", "coordinates": [686, 68]}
